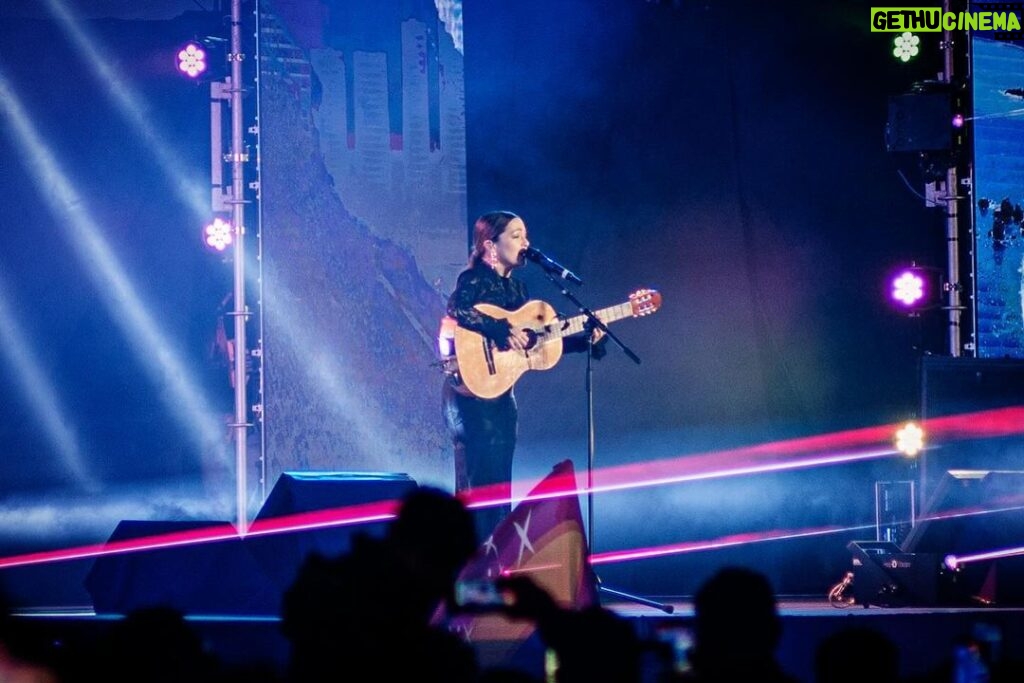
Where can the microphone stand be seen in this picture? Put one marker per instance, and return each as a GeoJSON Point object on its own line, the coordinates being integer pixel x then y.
{"type": "Point", "coordinates": [595, 323]}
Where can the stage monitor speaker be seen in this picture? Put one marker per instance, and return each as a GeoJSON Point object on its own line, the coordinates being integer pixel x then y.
{"type": "Point", "coordinates": [218, 577]}
{"type": "Point", "coordinates": [280, 555]}
{"type": "Point", "coordinates": [886, 576]}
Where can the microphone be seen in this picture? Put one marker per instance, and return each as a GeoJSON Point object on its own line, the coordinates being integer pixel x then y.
{"type": "Point", "coordinates": [551, 265]}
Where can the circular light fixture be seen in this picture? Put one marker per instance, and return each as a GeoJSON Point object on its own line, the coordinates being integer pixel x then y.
{"type": "Point", "coordinates": [910, 439]}
{"type": "Point", "coordinates": [218, 235]}
{"type": "Point", "coordinates": [192, 60]}
{"type": "Point", "coordinates": [905, 46]}
{"type": "Point", "coordinates": [907, 288]}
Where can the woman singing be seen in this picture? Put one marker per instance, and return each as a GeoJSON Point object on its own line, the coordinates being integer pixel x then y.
{"type": "Point", "coordinates": [483, 431]}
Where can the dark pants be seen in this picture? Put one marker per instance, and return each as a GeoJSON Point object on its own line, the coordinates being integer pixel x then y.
{"type": "Point", "coordinates": [483, 432]}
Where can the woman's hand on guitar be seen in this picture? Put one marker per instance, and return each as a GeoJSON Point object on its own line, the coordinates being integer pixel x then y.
{"type": "Point", "coordinates": [518, 340]}
{"type": "Point", "coordinates": [597, 335]}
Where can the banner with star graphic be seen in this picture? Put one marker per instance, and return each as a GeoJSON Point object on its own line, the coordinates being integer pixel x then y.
{"type": "Point", "coordinates": [543, 538]}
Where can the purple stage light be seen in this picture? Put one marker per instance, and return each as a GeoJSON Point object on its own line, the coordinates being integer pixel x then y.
{"type": "Point", "coordinates": [218, 235]}
{"type": "Point", "coordinates": [192, 60]}
{"type": "Point", "coordinates": [958, 120]}
{"type": "Point", "coordinates": [908, 288]}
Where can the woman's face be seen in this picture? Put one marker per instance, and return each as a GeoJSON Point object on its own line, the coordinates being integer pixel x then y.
{"type": "Point", "coordinates": [507, 251]}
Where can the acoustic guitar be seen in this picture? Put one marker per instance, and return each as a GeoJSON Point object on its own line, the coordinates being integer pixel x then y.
{"type": "Point", "coordinates": [488, 371]}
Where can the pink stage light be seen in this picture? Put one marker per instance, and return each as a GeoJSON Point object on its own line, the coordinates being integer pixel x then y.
{"type": "Point", "coordinates": [915, 288]}
{"type": "Point", "coordinates": [192, 60]}
{"type": "Point", "coordinates": [218, 235]}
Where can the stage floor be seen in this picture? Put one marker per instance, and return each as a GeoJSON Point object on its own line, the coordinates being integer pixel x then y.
{"type": "Point", "coordinates": [926, 636]}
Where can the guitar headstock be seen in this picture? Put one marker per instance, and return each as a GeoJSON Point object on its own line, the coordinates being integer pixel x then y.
{"type": "Point", "coordinates": [644, 302]}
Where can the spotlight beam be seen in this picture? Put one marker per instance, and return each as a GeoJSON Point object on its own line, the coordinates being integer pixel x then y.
{"type": "Point", "coordinates": [192, 194]}
{"type": "Point", "coordinates": [118, 292]}
{"type": "Point", "coordinates": [56, 422]}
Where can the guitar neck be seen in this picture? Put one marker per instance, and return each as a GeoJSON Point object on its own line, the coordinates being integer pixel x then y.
{"type": "Point", "coordinates": [575, 324]}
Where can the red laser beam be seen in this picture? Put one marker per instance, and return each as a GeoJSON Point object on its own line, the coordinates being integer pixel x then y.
{"type": "Point", "coordinates": [729, 541]}
{"type": "Point", "coordinates": [319, 519]}
{"type": "Point", "coordinates": [613, 556]}
{"type": "Point", "coordinates": [822, 450]}
{"type": "Point", "coordinates": [825, 449]}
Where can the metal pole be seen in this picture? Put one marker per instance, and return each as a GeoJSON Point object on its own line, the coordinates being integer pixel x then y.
{"type": "Point", "coordinates": [953, 306]}
{"type": "Point", "coordinates": [591, 443]}
{"type": "Point", "coordinates": [238, 158]}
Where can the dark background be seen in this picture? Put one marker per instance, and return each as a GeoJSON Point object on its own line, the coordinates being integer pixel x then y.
{"type": "Point", "coordinates": [731, 155]}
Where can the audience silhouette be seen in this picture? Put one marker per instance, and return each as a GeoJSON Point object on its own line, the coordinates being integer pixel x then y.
{"type": "Point", "coordinates": [154, 645]}
{"type": "Point", "coordinates": [24, 657]}
{"type": "Point", "coordinates": [366, 615]}
{"type": "Point", "coordinates": [736, 630]}
{"type": "Point", "coordinates": [592, 645]}
{"type": "Point", "coordinates": [849, 655]}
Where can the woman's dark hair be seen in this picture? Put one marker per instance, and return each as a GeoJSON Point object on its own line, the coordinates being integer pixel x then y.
{"type": "Point", "coordinates": [488, 227]}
